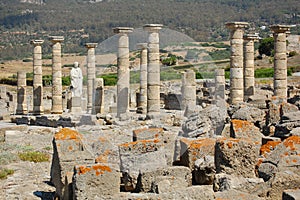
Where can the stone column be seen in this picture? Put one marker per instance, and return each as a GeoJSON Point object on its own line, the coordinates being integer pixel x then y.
{"type": "Point", "coordinates": [91, 74]}
{"type": "Point", "coordinates": [153, 75]}
{"type": "Point", "coordinates": [249, 79]}
{"type": "Point", "coordinates": [280, 60]}
{"type": "Point", "coordinates": [188, 89]}
{"type": "Point", "coordinates": [236, 61]}
{"type": "Point", "coordinates": [56, 75]}
{"type": "Point", "coordinates": [98, 106]}
{"type": "Point", "coordinates": [38, 108]}
{"type": "Point", "coordinates": [123, 70]}
{"type": "Point", "coordinates": [142, 101]}
{"type": "Point", "coordinates": [21, 94]}
{"type": "Point", "coordinates": [220, 84]}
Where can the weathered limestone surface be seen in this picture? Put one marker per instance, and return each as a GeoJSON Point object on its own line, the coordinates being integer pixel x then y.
{"type": "Point", "coordinates": [38, 107]}
{"type": "Point", "coordinates": [21, 94]}
{"type": "Point", "coordinates": [68, 151]}
{"type": "Point", "coordinates": [188, 89]}
{"type": "Point", "coordinates": [56, 75]}
{"type": "Point", "coordinates": [280, 60]}
{"type": "Point", "coordinates": [291, 194]}
{"type": "Point", "coordinates": [98, 89]}
{"type": "Point", "coordinates": [220, 84]}
{"type": "Point", "coordinates": [236, 61]}
{"type": "Point", "coordinates": [246, 130]}
{"type": "Point", "coordinates": [91, 74]}
{"type": "Point", "coordinates": [123, 71]}
{"type": "Point", "coordinates": [153, 75]}
{"type": "Point", "coordinates": [95, 181]}
{"type": "Point", "coordinates": [249, 80]}
{"type": "Point", "coordinates": [142, 102]}
{"type": "Point", "coordinates": [230, 155]}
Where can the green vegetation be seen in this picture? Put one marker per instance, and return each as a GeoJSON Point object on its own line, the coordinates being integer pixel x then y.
{"type": "Point", "coordinates": [266, 46]}
{"type": "Point", "coordinates": [170, 60]}
{"type": "Point", "coordinates": [268, 72]}
{"type": "Point", "coordinates": [34, 156]}
{"type": "Point", "coordinates": [219, 54]}
{"type": "Point", "coordinates": [110, 79]}
{"type": "Point", "coordinates": [5, 172]}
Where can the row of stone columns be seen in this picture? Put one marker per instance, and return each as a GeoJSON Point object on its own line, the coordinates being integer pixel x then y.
{"type": "Point", "coordinates": [242, 81]}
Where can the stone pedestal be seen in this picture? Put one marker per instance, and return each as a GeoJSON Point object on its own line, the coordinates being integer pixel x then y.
{"type": "Point", "coordinates": [76, 105]}
{"type": "Point", "coordinates": [236, 61]}
{"type": "Point", "coordinates": [280, 60]}
{"type": "Point", "coordinates": [188, 89]}
{"type": "Point", "coordinates": [56, 75]}
{"type": "Point", "coordinates": [142, 100]}
{"type": "Point", "coordinates": [153, 75]}
{"type": "Point", "coordinates": [220, 84]}
{"type": "Point", "coordinates": [123, 70]}
{"type": "Point", "coordinates": [21, 94]}
{"type": "Point", "coordinates": [99, 96]}
{"type": "Point", "coordinates": [249, 79]}
{"type": "Point", "coordinates": [91, 74]}
{"type": "Point", "coordinates": [38, 108]}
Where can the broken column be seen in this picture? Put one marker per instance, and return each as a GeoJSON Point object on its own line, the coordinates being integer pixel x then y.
{"type": "Point", "coordinates": [220, 84]}
{"type": "Point", "coordinates": [91, 74]}
{"type": "Point", "coordinates": [153, 76]}
{"type": "Point", "coordinates": [142, 103]}
{"type": "Point", "coordinates": [236, 61]}
{"type": "Point", "coordinates": [280, 60]}
{"type": "Point", "coordinates": [56, 75]}
{"type": "Point", "coordinates": [188, 89]}
{"type": "Point", "coordinates": [38, 108]}
{"type": "Point", "coordinates": [98, 106]}
{"type": "Point", "coordinates": [21, 94]}
{"type": "Point", "coordinates": [123, 70]}
{"type": "Point", "coordinates": [249, 79]}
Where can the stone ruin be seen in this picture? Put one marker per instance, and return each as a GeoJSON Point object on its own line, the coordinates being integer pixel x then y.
{"type": "Point", "coordinates": [198, 141]}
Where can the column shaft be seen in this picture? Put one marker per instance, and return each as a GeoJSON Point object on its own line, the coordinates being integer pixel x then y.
{"type": "Point", "coordinates": [142, 102]}
{"type": "Point", "coordinates": [21, 94]}
{"type": "Point", "coordinates": [188, 89]}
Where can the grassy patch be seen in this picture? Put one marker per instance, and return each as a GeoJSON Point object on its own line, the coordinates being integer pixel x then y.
{"type": "Point", "coordinates": [34, 156]}
{"type": "Point", "coordinates": [5, 172]}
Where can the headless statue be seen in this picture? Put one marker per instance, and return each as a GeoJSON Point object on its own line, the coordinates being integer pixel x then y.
{"type": "Point", "coordinates": [76, 80]}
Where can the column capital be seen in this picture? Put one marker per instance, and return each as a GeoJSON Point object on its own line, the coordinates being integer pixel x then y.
{"type": "Point", "coordinates": [236, 25]}
{"type": "Point", "coordinates": [142, 45]}
{"type": "Point", "coordinates": [91, 45]}
{"type": "Point", "coordinates": [124, 30]}
{"type": "Point", "coordinates": [152, 27]}
{"type": "Point", "coordinates": [280, 28]}
{"type": "Point", "coordinates": [249, 37]}
{"type": "Point", "coordinates": [56, 39]}
{"type": "Point", "coordinates": [36, 42]}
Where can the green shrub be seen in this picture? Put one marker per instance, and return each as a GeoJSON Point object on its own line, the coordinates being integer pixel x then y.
{"type": "Point", "coordinates": [219, 54]}
{"type": "Point", "coordinates": [34, 156]}
{"type": "Point", "coordinates": [66, 80]}
{"type": "Point", "coordinates": [5, 172]}
{"type": "Point", "coordinates": [110, 79]}
{"type": "Point", "coordinates": [292, 53]}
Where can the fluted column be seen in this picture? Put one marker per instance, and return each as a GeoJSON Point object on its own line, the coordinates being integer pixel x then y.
{"type": "Point", "coordinates": [153, 75]}
{"type": "Point", "coordinates": [142, 102]}
{"type": "Point", "coordinates": [280, 60]}
{"type": "Point", "coordinates": [188, 89]}
{"type": "Point", "coordinates": [38, 108]}
{"type": "Point", "coordinates": [249, 79]}
{"type": "Point", "coordinates": [123, 70]}
{"type": "Point", "coordinates": [56, 75]}
{"type": "Point", "coordinates": [236, 61]}
{"type": "Point", "coordinates": [21, 93]}
{"type": "Point", "coordinates": [91, 74]}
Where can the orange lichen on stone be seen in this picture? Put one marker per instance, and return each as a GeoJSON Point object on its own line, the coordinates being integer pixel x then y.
{"type": "Point", "coordinates": [83, 169]}
{"type": "Point", "coordinates": [294, 160]}
{"type": "Point", "coordinates": [100, 169]}
{"type": "Point", "coordinates": [67, 134]}
{"type": "Point", "coordinates": [229, 144]}
{"type": "Point", "coordinates": [268, 147]}
{"type": "Point", "coordinates": [153, 130]}
{"type": "Point", "coordinates": [102, 139]}
{"type": "Point", "coordinates": [206, 142]}
{"type": "Point", "coordinates": [240, 124]}
{"type": "Point", "coordinates": [139, 142]}
{"type": "Point", "coordinates": [103, 157]}
{"type": "Point", "coordinates": [70, 148]}
{"type": "Point", "coordinates": [260, 160]}
{"type": "Point", "coordinates": [291, 141]}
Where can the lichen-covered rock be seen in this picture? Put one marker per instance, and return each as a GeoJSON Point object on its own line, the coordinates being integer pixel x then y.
{"type": "Point", "coordinates": [281, 167]}
{"type": "Point", "coordinates": [244, 129]}
{"type": "Point", "coordinates": [95, 181]}
{"type": "Point", "coordinates": [236, 157]}
{"type": "Point", "coordinates": [68, 151]}
{"type": "Point", "coordinates": [235, 194]}
{"type": "Point", "coordinates": [204, 172]}
{"type": "Point", "coordinates": [289, 122]}
{"type": "Point", "coordinates": [147, 133]}
{"type": "Point", "coordinates": [250, 114]}
{"type": "Point", "coordinates": [140, 157]}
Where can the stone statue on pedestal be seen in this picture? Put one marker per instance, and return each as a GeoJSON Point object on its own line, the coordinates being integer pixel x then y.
{"type": "Point", "coordinates": [76, 80]}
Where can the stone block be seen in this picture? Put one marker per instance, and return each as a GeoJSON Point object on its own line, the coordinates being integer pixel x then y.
{"type": "Point", "coordinates": [68, 151]}
{"type": "Point", "coordinates": [95, 181]}
{"type": "Point", "coordinates": [291, 194]}
{"type": "Point", "coordinates": [235, 194]}
{"type": "Point", "coordinates": [244, 129]}
{"type": "Point", "coordinates": [194, 149]}
{"type": "Point", "coordinates": [236, 156]}
{"type": "Point", "coordinates": [147, 133]}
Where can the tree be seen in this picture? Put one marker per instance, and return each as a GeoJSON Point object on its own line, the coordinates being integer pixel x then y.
{"type": "Point", "coordinates": [266, 46]}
